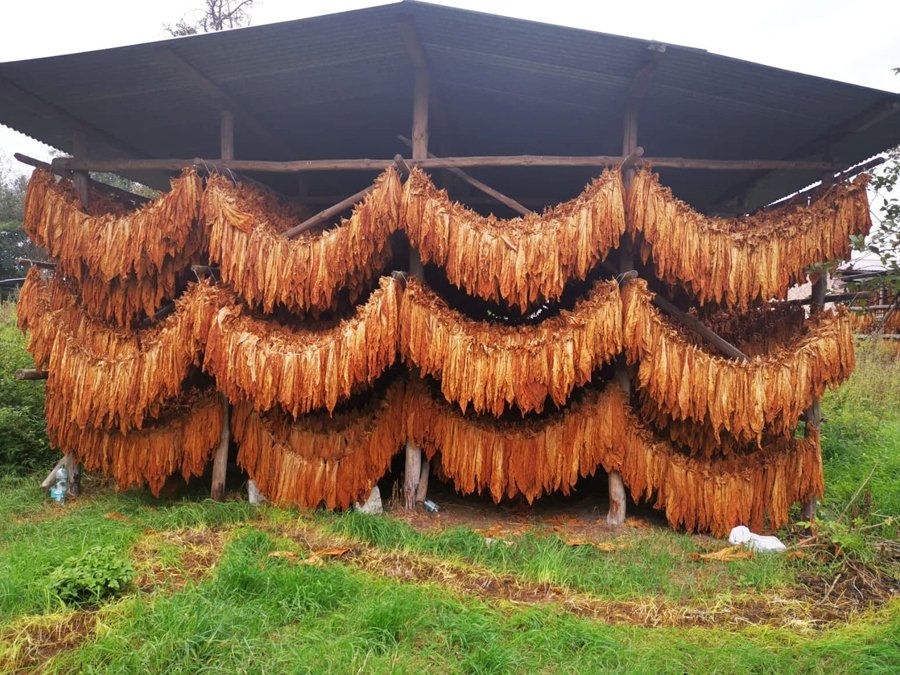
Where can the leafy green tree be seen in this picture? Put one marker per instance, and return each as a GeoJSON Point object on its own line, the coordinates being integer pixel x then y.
{"type": "Point", "coordinates": [14, 243]}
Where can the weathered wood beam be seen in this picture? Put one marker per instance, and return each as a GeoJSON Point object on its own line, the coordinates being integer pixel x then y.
{"type": "Point", "coordinates": [81, 179]}
{"type": "Point", "coordinates": [220, 459]}
{"type": "Point", "coordinates": [330, 212]}
{"type": "Point", "coordinates": [593, 161]}
{"type": "Point", "coordinates": [30, 374]}
{"type": "Point", "coordinates": [226, 135]}
{"type": "Point", "coordinates": [700, 328]}
{"type": "Point", "coordinates": [477, 184]}
{"type": "Point", "coordinates": [135, 199]}
{"type": "Point", "coordinates": [43, 264]}
{"type": "Point", "coordinates": [813, 192]}
{"type": "Point", "coordinates": [820, 145]}
{"type": "Point", "coordinates": [179, 64]}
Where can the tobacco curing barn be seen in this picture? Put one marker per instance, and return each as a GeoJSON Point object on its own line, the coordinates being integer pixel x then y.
{"type": "Point", "coordinates": [425, 242]}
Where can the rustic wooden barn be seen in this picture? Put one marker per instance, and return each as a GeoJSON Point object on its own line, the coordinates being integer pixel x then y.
{"type": "Point", "coordinates": [636, 326]}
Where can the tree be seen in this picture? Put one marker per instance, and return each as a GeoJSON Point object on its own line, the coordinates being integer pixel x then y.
{"type": "Point", "coordinates": [215, 15]}
{"type": "Point", "coordinates": [14, 243]}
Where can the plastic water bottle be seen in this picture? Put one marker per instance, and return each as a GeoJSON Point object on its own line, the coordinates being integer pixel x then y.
{"type": "Point", "coordinates": [58, 491]}
{"type": "Point", "coordinates": [430, 506]}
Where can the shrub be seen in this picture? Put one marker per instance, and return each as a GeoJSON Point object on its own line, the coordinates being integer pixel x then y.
{"type": "Point", "coordinates": [98, 573]}
{"type": "Point", "coordinates": [23, 437]}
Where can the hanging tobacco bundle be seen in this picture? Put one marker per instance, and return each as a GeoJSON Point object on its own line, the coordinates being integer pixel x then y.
{"type": "Point", "coordinates": [181, 441]}
{"type": "Point", "coordinates": [739, 260]}
{"type": "Point", "coordinates": [536, 457]}
{"type": "Point", "coordinates": [755, 489]}
{"type": "Point", "coordinates": [492, 366]}
{"type": "Point", "coordinates": [519, 261]}
{"type": "Point", "coordinates": [742, 397]}
{"type": "Point", "coordinates": [106, 377]}
{"type": "Point", "coordinates": [303, 369]}
{"type": "Point", "coordinates": [306, 273]}
{"type": "Point", "coordinates": [699, 439]}
{"type": "Point", "coordinates": [127, 301]}
{"type": "Point", "coordinates": [109, 239]}
{"type": "Point", "coordinates": [760, 330]}
{"type": "Point", "coordinates": [320, 459]}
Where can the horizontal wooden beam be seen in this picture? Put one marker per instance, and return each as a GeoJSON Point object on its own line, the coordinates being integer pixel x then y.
{"type": "Point", "coordinates": [477, 184]}
{"type": "Point", "coordinates": [30, 374]}
{"type": "Point", "coordinates": [135, 199]}
{"type": "Point", "coordinates": [594, 161]}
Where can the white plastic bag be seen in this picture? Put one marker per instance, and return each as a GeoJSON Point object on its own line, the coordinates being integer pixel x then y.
{"type": "Point", "coordinates": [755, 542]}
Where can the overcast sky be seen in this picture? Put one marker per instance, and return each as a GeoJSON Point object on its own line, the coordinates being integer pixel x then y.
{"type": "Point", "coordinates": [841, 40]}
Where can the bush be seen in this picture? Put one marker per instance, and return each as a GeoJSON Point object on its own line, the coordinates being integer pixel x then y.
{"type": "Point", "coordinates": [97, 574]}
{"type": "Point", "coordinates": [23, 436]}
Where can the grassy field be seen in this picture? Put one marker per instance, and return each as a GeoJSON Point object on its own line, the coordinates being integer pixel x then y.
{"type": "Point", "coordinates": [235, 588]}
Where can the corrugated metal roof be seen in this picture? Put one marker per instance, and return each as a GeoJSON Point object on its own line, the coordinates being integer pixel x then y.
{"type": "Point", "coordinates": [341, 86]}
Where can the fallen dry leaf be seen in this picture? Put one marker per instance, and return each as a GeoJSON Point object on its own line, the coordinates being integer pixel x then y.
{"type": "Point", "coordinates": [637, 522]}
{"type": "Point", "coordinates": [115, 515]}
{"type": "Point", "coordinates": [600, 546]}
{"type": "Point", "coordinates": [737, 552]}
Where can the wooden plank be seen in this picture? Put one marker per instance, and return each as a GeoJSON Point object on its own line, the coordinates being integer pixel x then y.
{"type": "Point", "coordinates": [268, 166]}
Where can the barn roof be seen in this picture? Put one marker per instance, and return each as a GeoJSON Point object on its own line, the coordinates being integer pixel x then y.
{"type": "Point", "coordinates": [340, 86]}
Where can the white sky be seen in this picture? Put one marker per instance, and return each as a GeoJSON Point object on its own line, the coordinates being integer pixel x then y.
{"type": "Point", "coordinates": [842, 40]}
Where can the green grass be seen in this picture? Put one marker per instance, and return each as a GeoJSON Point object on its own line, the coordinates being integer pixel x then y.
{"type": "Point", "coordinates": [258, 614]}
{"type": "Point", "coordinates": [649, 563]}
{"type": "Point", "coordinates": [861, 433]}
{"type": "Point", "coordinates": [254, 613]}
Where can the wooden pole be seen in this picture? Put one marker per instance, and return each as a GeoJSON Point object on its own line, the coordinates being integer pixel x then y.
{"type": "Point", "coordinates": [295, 166]}
{"type": "Point", "coordinates": [134, 199]}
{"type": "Point", "coordinates": [254, 496]}
{"type": "Point", "coordinates": [414, 489]}
{"type": "Point", "coordinates": [814, 413]}
{"type": "Point", "coordinates": [48, 481]}
{"type": "Point", "coordinates": [82, 179]}
{"type": "Point", "coordinates": [412, 475]}
{"type": "Point", "coordinates": [328, 213]}
{"type": "Point", "coordinates": [226, 140]}
{"type": "Point", "coordinates": [617, 498]}
{"type": "Point", "coordinates": [474, 182]}
{"type": "Point", "coordinates": [700, 328]}
{"type": "Point", "coordinates": [30, 374]}
{"type": "Point", "coordinates": [220, 460]}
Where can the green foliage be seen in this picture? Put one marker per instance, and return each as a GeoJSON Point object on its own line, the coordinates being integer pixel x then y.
{"type": "Point", "coordinates": [861, 435]}
{"type": "Point", "coordinates": [95, 575]}
{"type": "Point", "coordinates": [23, 438]}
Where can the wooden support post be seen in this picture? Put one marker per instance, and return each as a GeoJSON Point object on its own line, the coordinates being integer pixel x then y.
{"type": "Point", "coordinates": [82, 179]}
{"type": "Point", "coordinates": [414, 489]}
{"type": "Point", "coordinates": [226, 140]}
{"type": "Point", "coordinates": [73, 478]}
{"type": "Point", "coordinates": [254, 496]}
{"type": "Point", "coordinates": [617, 499]}
{"type": "Point", "coordinates": [422, 489]}
{"type": "Point", "coordinates": [412, 475]}
{"type": "Point", "coordinates": [220, 460]}
{"type": "Point", "coordinates": [814, 413]}
{"type": "Point", "coordinates": [51, 477]}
